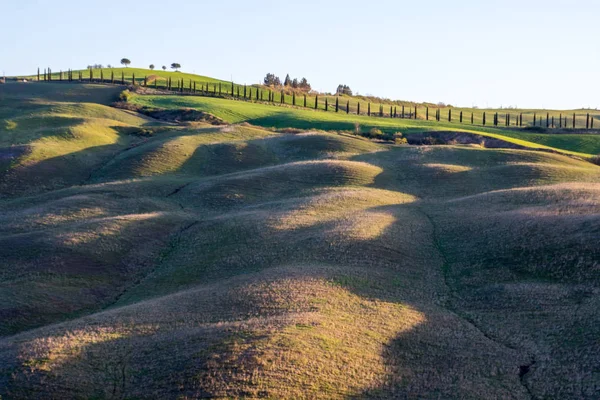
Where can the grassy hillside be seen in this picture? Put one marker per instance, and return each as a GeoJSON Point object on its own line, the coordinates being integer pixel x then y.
{"type": "Point", "coordinates": [163, 260]}
{"type": "Point", "coordinates": [280, 117]}
{"type": "Point", "coordinates": [350, 103]}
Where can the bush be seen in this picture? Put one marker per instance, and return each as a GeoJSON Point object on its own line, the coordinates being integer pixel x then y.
{"type": "Point", "coordinates": [375, 133]}
{"type": "Point", "coordinates": [125, 95]}
{"type": "Point", "coordinates": [596, 159]}
{"type": "Point", "coordinates": [399, 138]}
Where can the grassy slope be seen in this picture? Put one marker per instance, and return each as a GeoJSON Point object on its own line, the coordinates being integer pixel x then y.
{"type": "Point", "coordinates": [350, 101]}
{"type": "Point", "coordinates": [273, 116]}
{"type": "Point", "coordinates": [235, 262]}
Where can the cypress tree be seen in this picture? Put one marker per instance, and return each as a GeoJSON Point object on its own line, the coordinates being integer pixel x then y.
{"type": "Point", "coordinates": [122, 78]}
{"type": "Point", "coordinates": [38, 74]}
{"type": "Point", "coordinates": [220, 88]}
{"type": "Point", "coordinates": [244, 91]}
{"type": "Point", "coordinates": [304, 100]}
{"type": "Point", "coordinates": [573, 120]}
{"type": "Point", "coordinates": [391, 112]}
{"type": "Point", "coordinates": [102, 76]}
{"type": "Point", "coordinates": [337, 104]}
{"type": "Point", "coordinates": [427, 113]}
{"type": "Point", "coordinates": [450, 115]}
{"type": "Point", "coordinates": [547, 120]}
{"type": "Point", "coordinates": [326, 104]}
{"type": "Point", "coordinates": [133, 79]}
{"type": "Point", "coordinates": [534, 119]}
{"type": "Point", "coordinates": [472, 119]}
{"type": "Point", "coordinates": [358, 109]}
{"type": "Point", "coordinates": [316, 101]}
{"type": "Point", "coordinates": [348, 107]}
{"type": "Point", "coordinates": [403, 111]}
{"type": "Point", "coordinates": [560, 121]}
{"type": "Point", "coordinates": [381, 110]}
{"type": "Point", "coordinates": [461, 117]}
{"type": "Point", "coordinates": [91, 74]}
{"type": "Point", "coordinates": [587, 121]}
{"type": "Point", "coordinates": [257, 93]}
{"type": "Point", "coordinates": [369, 110]}
{"type": "Point", "coordinates": [552, 121]}
{"type": "Point", "coordinates": [395, 112]}
{"type": "Point", "coordinates": [416, 111]}
{"type": "Point", "coordinates": [484, 118]}
{"type": "Point", "coordinates": [282, 97]}
{"type": "Point", "coordinates": [294, 98]}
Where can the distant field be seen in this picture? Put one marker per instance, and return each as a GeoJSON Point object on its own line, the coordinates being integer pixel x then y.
{"type": "Point", "coordinates": [349, 102]}
{"type": "Point", "coordinates": [282, 117]}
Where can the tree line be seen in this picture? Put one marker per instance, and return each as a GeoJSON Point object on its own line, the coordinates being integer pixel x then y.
{"type": "Point", "coordinates": [274, 81]}
{"type": "Point", "coordinates": [126, 62]}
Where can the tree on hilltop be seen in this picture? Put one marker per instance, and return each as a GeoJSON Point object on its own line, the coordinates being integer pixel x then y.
{"type": "Point", "coordinates": [125, 62]}
{"type": "Point", "coordinates": [288, 81]}
{"type": "Point", "coordinates": [152, 67]}
{"type": "Point", "coordinates": [344, 89]}
{"type": "Point", "coordinates": [272, 80]}
{"type": "Point", "coordinates": [176, 66]}
{"type": "Point", "coordinates": [164, 68]}
{"type": "Point", "coordinates": [304, 85]}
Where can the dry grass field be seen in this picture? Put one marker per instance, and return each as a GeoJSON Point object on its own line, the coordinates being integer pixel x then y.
{"type": "Point", "coordinates": [144, 259]}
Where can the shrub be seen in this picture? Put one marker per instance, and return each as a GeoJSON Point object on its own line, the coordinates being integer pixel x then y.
{"type": "Point", "coordinates": [125, 95]}
{"type": "Point", "coordinates": [375, 133]}
{"type": "Point", "coordinates": [399, 138]}
{"type": "Point", "coordinates": [596, 159]}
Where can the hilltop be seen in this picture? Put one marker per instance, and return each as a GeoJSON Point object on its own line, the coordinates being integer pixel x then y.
{"type": "Point", "coordinates": [145, 258]}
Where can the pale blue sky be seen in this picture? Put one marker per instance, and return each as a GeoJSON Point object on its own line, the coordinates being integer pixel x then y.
{"type": "Point", "coordinates": [527, 53]}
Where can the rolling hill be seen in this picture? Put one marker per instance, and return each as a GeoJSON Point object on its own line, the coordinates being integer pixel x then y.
{"type": "Point", "coordinates": [143, 258]}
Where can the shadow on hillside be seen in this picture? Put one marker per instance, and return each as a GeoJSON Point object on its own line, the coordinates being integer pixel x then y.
{"type": "Point", "coordinates": [56, 172]}
{"type": "Point", "coordinates": [444, 356]}
{"type": "Point", "coordinates": [68, 92]}
{"type": "Point", "coordinates": [337, 122]}
{"type": "Point", "coordinates": [425, 361]}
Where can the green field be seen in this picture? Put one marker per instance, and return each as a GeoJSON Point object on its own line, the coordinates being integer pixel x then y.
{"type": "Point", "coordinates": [284, 117]}
{"type": "Point", "coordinates": [142, 258]}
{"type": "Point", "coordinates": [346, 103]}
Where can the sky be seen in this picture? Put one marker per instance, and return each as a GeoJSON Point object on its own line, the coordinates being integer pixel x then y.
{"type": "Point", "coordinates": [526, 53]}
